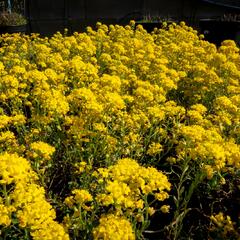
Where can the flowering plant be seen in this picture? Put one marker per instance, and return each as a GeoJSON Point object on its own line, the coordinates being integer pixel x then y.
{"type": "Point", "coordinates": [117, 133]}
{"type": "Point", "coordinates": [11, 17]}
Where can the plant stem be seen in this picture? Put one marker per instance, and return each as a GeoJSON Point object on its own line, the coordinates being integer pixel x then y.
{"type": "Point", "coordinates": [183, 199]}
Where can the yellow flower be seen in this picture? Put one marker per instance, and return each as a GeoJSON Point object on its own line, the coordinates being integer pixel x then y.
{"type": "Point", "coordinates": [4, 120]}
{"type": "Point", "coordinates": [14, 169]}
{"type": "Point", "coordinates": [82, 196]}
{"type": "Point", "coordinates": [42, 150]}
{"type": "Point", "coordinates": [165, 208]}
{"type": "Point", "coordinates": [5, 214]}
{"type": "Point", "coordinates": [113, 227]}
{"type": "Point", "coordinates": [151, 211]}
{"type": "Point", "coordinates": [223, 222]}
{"type": "Point", "coordinates": [154, 148]}
{"type": "Point", "coordinates": [209, 171]}
{"type": "Point", "coordinates": [69, 201]}
{"type": "Point", "coordinates": [161, 196]}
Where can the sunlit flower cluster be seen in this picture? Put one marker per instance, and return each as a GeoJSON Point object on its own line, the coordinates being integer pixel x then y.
{"type": "Point", "coordinates": [26, 200]}
{"type": "Point", "coordinates": [95, 125]}
{"type": "Point", "coordinates": [113, 227]}
{"type": "Point", "coordinates": [127, 183]}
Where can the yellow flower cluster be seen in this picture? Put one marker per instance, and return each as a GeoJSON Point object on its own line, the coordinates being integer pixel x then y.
{"type": "Point", "coordinates": [127, 182]}
{"type": "Point", "coordinates": [208, 145]}
{"type": "Point", "coordinates": [116, 92]}
{"type": "Point", "coordinates": [113, 227]}
{"type": "Point", "coordinates": [41, 150]}
{"type": "Point", "coordinates": [15, 169]}
{"type": "Point", "coordinates": [5, 214]}
{"type": "Point", "coordinates": [224, 224]}
{"type": "Point", "coordinates": [124, 187]}
{"type": "Point", "coordinates": [80, 197]}
{"type": "Point", "coordinates": [34, 212]}
{"type": "Point", "coordinates": [26, 199]}
{"type": "Point", "coordinates": [154, 149]}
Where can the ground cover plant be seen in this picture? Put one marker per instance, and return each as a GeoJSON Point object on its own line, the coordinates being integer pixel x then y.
{"type": "Point", "coordinates": [116, 133]}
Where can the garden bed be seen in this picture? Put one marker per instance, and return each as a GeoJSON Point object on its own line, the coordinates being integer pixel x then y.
{"type": "Point", "coordinates": [117, 133]}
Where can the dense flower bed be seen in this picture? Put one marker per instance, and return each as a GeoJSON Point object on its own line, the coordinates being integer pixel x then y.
{"type": "Point", "coordinates": [108, 134]}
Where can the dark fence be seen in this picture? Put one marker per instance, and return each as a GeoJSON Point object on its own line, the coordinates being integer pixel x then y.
{"type": "Point", "coordinates": [48, 16]}
{"type": "Point", "coordinates": [225, 3]}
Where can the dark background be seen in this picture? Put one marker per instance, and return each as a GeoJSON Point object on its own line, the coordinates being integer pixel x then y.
{"type": "Point", "coordinates": [48, 16]}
